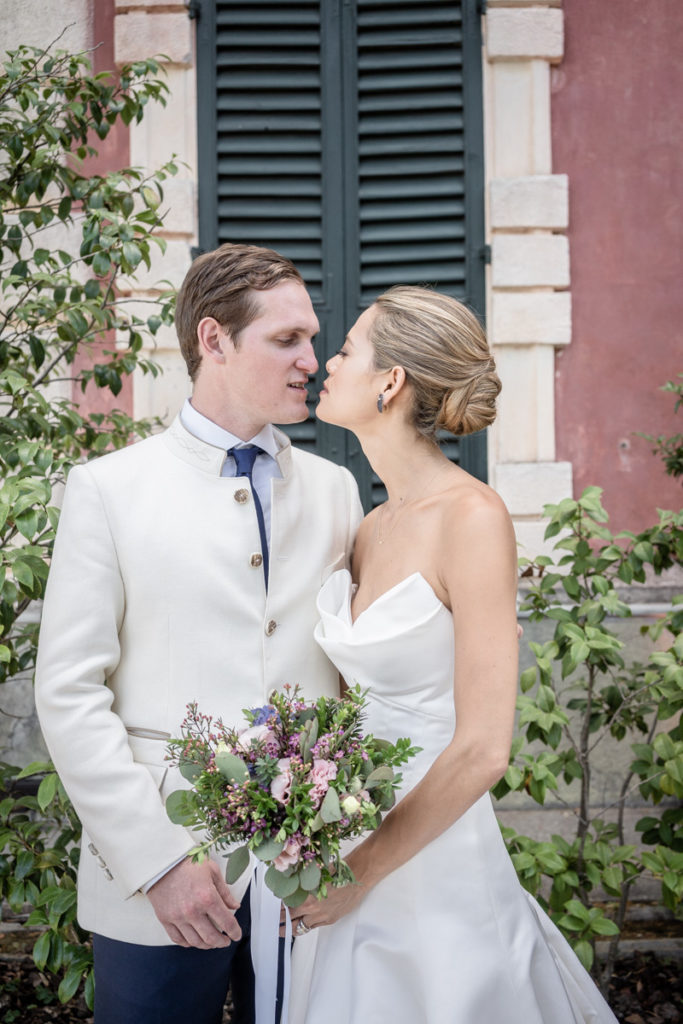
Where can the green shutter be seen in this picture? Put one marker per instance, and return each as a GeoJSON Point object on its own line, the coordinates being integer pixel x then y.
{"type": "Point", "coordinates": [410, 147]}
{"type": "Point", "coordinates": [347, 135]}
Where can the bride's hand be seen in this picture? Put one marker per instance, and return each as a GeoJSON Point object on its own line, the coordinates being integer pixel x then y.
{"type": "Point", "coordinates": [314, 912]}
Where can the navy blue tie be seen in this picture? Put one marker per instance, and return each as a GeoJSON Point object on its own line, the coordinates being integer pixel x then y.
{"type": "Point", "coordinates": [244, 460]}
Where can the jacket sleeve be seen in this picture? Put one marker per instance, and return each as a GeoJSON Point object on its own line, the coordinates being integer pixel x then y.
{"type": "Point", "coordinates": [117, 799]}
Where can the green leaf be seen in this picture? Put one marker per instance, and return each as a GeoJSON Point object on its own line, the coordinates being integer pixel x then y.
{"type": "Point", "coordinates": [612, 879]}
{"type": "Point", "coordinates": [231, 767]}
{"type": "Point", "coordinates": [514, 777]}
{"type": "Point", "coordinates": [189, 770]}
{"type": "Point", "coordinates": [132, 254]}
{"type": "Point", "coordinates": [238, 862]}
{"type": "Point", "coordinates": [330, 809]}
{"type": "Point", "coordinates": [309, 876]}
{"type": "Point", "coordinates": [269, 849]}
{"type": "Point", "coordinates": [41, 950]}
{"type": "Point", "coordinates": [101, 264]}
{"type": "Point", "coordinates": [527, 679]}
{"type": "Point", "coordinates": [382, 774]}
{"type": "Point", "coordinates": [24, 864]}
{"type": "Point", "coordinates": [603, 926]}
{"type": "Point", "coordinates": [68, 986]}
{"type": "Point", "coordinates": [47, 790]}
{"type": "Point", "coordinates": [584, 951]}
{"type": "Point", "coordinates": [296, 899]}
{"type": "Point", "coordinates": [89, 991]}
{"type": "Point", "coordinates": [281, 885]}
{"type": "Point", "coordinates": [181, 807]}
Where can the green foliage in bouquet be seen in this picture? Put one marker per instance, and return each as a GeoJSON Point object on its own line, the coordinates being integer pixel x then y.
{"type": "Point", "coordinates": [289, 788]}
{"type": "Point", "coordinates": [580, 694]}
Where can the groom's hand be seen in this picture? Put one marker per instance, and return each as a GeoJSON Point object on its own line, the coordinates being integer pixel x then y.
{"type": "Point", "coordinates": [195, 905]}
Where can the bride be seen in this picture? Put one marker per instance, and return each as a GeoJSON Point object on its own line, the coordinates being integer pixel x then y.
{"type": "Point", "coordinates": [437, 929]}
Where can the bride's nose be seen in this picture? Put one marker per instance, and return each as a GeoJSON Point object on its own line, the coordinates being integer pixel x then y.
{"type": "Point", "coordinates": [331, 363]}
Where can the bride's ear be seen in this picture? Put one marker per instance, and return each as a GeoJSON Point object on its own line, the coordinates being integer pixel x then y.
{"type": "Point", "coordinates": [395, 382]}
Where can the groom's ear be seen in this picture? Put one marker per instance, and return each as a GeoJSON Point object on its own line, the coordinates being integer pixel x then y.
{"type": "Point", "coordinates": [212, 339]}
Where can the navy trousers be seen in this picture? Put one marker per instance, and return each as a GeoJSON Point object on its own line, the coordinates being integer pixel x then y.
{"type": "Point", "coordinates": [173, 985]}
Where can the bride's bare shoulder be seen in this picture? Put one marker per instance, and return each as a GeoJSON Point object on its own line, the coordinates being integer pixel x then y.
{"type": "Point", "coordinates": [471, 510]}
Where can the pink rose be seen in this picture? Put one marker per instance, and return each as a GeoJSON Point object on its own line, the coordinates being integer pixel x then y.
{"type": "Point", "coordinates": [290, 854]}
{"type": "Point", "coordinates": [320, 775]}
{"type": "Point", "coordinates": [281, 786]}
{"type": "Point", "coordinates": [255, 734]}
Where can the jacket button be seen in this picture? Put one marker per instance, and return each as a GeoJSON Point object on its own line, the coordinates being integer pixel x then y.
{"type": "Point", "coordinates": [271, 626]}
{"type": "Point", "coordinates": [91, 847]}
{"type": "Point", "coordinates": [242, 495]}
{"type": "Point", "coordinates": [256, 560]}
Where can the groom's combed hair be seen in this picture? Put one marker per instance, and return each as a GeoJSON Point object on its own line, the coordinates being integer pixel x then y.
{"type": "Point", "coordinates": [221, 284]}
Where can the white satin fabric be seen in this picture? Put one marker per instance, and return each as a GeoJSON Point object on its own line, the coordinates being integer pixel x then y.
{"type": "Point", "coordinates": [451, 937]}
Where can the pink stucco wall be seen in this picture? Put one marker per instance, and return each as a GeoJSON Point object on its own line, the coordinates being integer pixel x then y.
{"type": "Point", "coordinates": [112, 154]}
{"type": "Point", "coordinates": [618, 133]}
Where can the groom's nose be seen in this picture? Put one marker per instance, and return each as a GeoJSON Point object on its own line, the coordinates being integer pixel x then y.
{"type": "Point", "coordinates": [307, 360]}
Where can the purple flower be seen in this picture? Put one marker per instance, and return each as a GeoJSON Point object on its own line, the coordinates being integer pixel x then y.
{"type": "Point", "coordinates": [262, 714]}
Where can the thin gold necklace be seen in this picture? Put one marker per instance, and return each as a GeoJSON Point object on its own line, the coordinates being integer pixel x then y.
{"type": "Point", "coordinates": [381, 535]}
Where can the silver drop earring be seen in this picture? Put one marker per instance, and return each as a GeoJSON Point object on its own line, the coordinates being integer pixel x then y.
{"type": "Point", "coordinates": [380, 403]}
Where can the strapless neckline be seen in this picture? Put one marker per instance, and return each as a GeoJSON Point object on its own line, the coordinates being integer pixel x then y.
{"type": "Point", "coordinates": [387, 595]}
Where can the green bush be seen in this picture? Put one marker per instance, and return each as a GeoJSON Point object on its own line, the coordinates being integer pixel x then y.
{"type": "Point", "coordinates": [39, 842]}
{"type": "Point", "coordinates": [670, 449]}
{"type": "Point", "coordinates": [66, 239]}
{"type": "Point", "coordinates": [579, 694]}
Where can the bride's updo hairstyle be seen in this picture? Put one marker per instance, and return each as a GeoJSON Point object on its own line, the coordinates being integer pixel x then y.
{"type": "Point", "coordinates": [443, 349]}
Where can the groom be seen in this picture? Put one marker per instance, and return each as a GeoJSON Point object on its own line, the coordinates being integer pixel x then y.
{"type": "Point", "coordinates": [186, 567]}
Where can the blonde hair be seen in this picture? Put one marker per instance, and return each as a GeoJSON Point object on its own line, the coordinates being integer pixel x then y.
{"type": "Point", "coordinates": [443, 349]}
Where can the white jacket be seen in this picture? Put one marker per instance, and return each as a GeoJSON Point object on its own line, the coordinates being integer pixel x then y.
{"type": "Point", "coordinates": [153, 601]}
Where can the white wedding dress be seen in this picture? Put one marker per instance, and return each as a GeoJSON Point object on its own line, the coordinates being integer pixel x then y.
{"type": "Point", "coordinates": [451, 937]}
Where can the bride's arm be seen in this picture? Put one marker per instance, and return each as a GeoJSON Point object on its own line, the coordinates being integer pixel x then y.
{"type": "Point", "coordinates": [479, 575]}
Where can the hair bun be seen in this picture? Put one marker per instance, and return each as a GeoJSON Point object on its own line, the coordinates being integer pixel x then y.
{"type": "Point", "coordinates": [469, 407]}
{"type": "Point", "coordinates": [442, 347]}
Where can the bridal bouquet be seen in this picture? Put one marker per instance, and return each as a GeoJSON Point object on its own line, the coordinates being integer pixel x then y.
{"type": "Point", "coordinates": [289, 786]}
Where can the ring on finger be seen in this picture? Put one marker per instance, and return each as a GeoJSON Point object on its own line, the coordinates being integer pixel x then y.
{"type": "Point", "coordinates": [302, 928]}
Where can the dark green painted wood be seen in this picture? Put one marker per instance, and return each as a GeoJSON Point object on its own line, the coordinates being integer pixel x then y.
{"type": "Point", "coordinates": [348, 135]}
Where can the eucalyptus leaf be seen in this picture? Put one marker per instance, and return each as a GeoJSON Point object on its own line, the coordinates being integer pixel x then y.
{"type": "Point", "coordinates": [296, 899]}
{"type": "Point", "coordinates": [181, 807]}
{"type": "Point", "coordinates": [231, 767]}
{"type": "Point", "coordinates": [382, 774]}
{"type": "Point", "coordinates": [309, 876]}
{"type": "Point", "coordinates": [189, 770]}
{"type": "Point", "coordinates": [238, 862]}
{"type": "Point", "coordinates": [309, 734]}
{"type": "Point", "coordinates": [269, 849]}
{"type": "Point", "coordinates": [330, 809]}
{"type": "Point", "coordinates": [281, 885]}
{"type": "Point", "coordinates": [317, 822]}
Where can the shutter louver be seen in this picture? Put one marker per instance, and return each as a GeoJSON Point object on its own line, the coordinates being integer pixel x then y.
{"type": "Point", "coordinates": [341, 133]}
{"type": "Point", "coordinates": [268, 136]}
{"type": "Point", "coordinates": [410, 146]}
